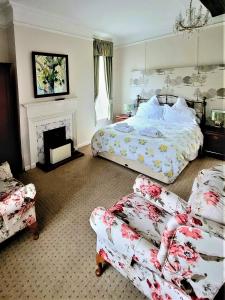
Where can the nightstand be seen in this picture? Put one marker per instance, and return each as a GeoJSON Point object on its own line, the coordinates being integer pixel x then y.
{"type": "Point", "coordinates": [214, 141]}
{"type": "Point", "coordinates": [121, 117]}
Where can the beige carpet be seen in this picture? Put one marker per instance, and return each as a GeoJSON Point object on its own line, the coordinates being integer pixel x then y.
{"type": "Point", "coordinates": [61, 264]}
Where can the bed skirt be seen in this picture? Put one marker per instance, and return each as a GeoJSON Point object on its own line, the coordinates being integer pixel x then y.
{"type": "Point", "coordinates": [138, 167]}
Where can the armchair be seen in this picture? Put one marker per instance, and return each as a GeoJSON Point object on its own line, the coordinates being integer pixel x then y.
{"type": "Point", "coordinates": [153, 238]}
{"type": "Point", "coordinates": [17, 205]}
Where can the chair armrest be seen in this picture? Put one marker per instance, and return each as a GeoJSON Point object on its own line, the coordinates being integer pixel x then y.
{"type": "Point", "coordinates": [17, 199]}
{"type": "Point", "coordinates": [195, 262]}
{"type": "Point", "coordinates": [124, 239]}
{"type": "Point", "coordinates": [5, 171]}
{"type": "Point", "coordinates": [207, 225]}
{"type": "Point", "coordinates": [158, 195]}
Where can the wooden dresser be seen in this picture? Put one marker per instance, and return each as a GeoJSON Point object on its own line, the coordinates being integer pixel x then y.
{"type": "Point", "coordinates": [214, 141]}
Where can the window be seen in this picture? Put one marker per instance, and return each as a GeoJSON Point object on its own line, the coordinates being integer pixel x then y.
{"type": "Point", "coordinates": [102, 101]}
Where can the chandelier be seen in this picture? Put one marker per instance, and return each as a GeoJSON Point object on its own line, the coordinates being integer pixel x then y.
{"type": "Point", "coordinates": [194, 19]}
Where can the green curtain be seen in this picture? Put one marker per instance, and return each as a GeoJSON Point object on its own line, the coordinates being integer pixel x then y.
{"type": "Point", "coordinates": [108, 80]}
{"type": "Point", "coordinates": [105, 49]}
{"type": "Point", "coordinates": [96, 76]}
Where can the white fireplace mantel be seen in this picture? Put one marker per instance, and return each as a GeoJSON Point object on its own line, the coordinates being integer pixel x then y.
{"type": "Point", "coordinates": [46, 112]}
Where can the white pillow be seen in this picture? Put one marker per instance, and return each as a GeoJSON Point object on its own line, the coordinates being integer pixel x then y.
{"type": "Point", "coordinates": [174, 115]}
{"type": "Point", "coordinates": [142, 111]}
{"type": "Point", "coordinates": [180, 103]}
{"type": "Point", "coordinates": [153, 100]}
{"type": "Point", "coordinates": [150, 111]}
{"type": "Point", "coordinates": [155, 112]}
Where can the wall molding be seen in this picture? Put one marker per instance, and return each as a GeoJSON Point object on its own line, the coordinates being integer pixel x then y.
{"type": "Point", "coordinates": [39, 19]}
{"type": "Point", "coordinates": [6, 15]}
{"type": "Point", "coordinates": [168, 35]}
{"type": "Point", "coordinates": [36, 18]}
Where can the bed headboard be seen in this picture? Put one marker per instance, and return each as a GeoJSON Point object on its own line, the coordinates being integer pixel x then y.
{"type": "Point", "coordinates": [198, 106]}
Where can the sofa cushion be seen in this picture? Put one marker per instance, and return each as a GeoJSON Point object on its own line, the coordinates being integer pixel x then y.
{"type": "Point", "coordinates": [194, 266]}
{"type": "Point", "coordinates": [208, 194]}
{"type": "Point", "coordinates": [8, 186]}
{"type": "Point", "coordinates": [144, 217]}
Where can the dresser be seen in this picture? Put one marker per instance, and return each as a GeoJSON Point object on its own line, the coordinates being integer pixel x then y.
{"type": "Point", "coordinates": [10, 148]}
{"type": "Point", "coordinates": [214, 141]}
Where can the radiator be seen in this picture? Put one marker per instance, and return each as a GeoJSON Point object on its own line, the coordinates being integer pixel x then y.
{"type": "Point", "coordinates": [60, 153]}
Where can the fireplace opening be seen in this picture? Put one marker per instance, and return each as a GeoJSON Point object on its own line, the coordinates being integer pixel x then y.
{"type": "Point", "coordinates": [57, 149]}
{"type": "Point", "coordinates": [56, 146]}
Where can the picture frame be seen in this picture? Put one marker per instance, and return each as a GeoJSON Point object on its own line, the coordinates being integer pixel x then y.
{"type": "Point", "coordinates": [50, 74]}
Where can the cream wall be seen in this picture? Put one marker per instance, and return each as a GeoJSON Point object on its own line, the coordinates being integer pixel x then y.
{"type": "Point", "coordinates": [4, 47]}
{"type": "Point", "coordinates": [80, 58]}
{"type": "Point", "coordinates": [173, 51]}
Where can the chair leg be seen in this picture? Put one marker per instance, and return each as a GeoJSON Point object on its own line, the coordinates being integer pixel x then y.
{"type": "Point", "coordinates": [100, 262]}
{"type": "Point", "coordinates": [34, 230]}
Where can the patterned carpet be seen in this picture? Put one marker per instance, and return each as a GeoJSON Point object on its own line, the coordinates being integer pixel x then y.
{"type": "Point", "coordinates": [61, 264]}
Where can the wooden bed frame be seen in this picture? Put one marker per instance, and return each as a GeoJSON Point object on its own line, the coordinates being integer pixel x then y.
{"type": "Point", "coordinates": [141, 168]}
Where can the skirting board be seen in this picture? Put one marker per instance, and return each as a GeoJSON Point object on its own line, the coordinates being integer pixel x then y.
{"type": "Point", "coordinates": [83, 144]}
{"type": "Point", "coordinates": [136, 166]}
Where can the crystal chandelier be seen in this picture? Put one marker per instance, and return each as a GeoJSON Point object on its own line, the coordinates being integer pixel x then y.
{"type": "Point", "coordinates": [194, 19]}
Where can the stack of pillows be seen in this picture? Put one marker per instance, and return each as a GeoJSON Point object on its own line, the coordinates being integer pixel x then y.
{"type": "Point", "coordinates": [178, 113]}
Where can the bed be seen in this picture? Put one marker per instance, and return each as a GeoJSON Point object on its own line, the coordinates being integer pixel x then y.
{"type": "Point", "coordinates": [163, 157]}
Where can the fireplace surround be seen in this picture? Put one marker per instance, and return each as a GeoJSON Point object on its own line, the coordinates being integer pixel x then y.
{"type": "Point", "coordinates": [47, 115]}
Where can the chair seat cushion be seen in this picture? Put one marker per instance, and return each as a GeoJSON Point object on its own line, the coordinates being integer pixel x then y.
{"type": "Point", "coordinates": [9, 186]}
{"type": "Point", "coordinates": [142, 216]}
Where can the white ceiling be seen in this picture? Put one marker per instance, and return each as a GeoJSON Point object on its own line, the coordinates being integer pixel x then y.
{"type": "Point", "coordinates": [125, 21]}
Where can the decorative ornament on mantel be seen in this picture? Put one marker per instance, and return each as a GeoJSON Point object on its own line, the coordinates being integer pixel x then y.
{"type": "Point", "coordinates": [194, 19]}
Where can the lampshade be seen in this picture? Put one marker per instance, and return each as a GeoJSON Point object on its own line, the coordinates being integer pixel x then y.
{"type": "Point", "coordinates": [128, 107]}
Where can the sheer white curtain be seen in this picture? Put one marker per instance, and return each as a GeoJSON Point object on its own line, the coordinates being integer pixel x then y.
{"type": "Point", "coordinates": [102, 102]}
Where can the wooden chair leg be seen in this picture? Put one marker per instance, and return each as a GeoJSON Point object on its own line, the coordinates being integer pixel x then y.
{"type": "Point", "coordinates": [100, 262]}
{"type": "Point", "coordinates": [34, 230]}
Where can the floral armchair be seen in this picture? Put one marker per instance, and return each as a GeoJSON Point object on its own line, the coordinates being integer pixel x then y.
{"type": "Point", "coordinates": [157, 240]}
{"type": "Point", "coordinates": [17, 205]}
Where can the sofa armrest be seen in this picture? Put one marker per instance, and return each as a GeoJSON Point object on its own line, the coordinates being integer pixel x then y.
{"type": "Point", "coordinates": [195, 262]}
{"type": "Point", "coordinates": [5, 171]}
{"type": "Point", "coordinates": [17, 199]}
{"type": "Point", "coordinates": [158, 195]}
{"type": "Point", "coordinates": [124, 239]}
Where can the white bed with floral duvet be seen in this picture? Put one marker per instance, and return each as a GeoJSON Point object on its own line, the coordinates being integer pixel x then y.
{"type": "Point", "coordinates": [158, 147]}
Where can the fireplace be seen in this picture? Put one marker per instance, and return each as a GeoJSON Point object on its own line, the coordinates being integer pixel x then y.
{"type": "Point", "coordinates": [56, 146]}
{"type": "Point", "coordinates": [43, 116]}
{"type": "Point", "coordinates": [57, 149]}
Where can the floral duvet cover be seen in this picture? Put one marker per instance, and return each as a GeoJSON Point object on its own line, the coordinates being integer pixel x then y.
{"type": "Point", "coordinates": [167, 155]}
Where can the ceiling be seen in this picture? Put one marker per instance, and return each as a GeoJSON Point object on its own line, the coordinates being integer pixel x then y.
{"type": "Point", "coordinates": [124, 21]}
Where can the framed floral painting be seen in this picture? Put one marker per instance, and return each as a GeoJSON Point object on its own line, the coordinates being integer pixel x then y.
{"type": "Point", "coordinates": [50, 74]}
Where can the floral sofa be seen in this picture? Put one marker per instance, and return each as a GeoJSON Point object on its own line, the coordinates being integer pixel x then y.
{"type": "Point", "coordinates": [169, 249]}
{"type": "Point", "coordinates": [17, 209]}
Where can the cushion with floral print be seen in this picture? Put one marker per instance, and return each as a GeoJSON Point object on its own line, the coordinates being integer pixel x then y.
{"type": "Point", "coordinates": [195, 262]}
{"type": "Point", "coordinates": [208, 194]}
{"type": "Point", "coordinates": [5, 171]}
{"type": "Point", "coordinates": [158, 195]}
{"type": "Point", "coordinates": [9, 186]}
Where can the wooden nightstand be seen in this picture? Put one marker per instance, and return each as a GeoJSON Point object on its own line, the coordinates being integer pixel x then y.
{"type": "Point", "coordinates": [214, 141]}
{"type": "Point", "coordinates": [121, 117]}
